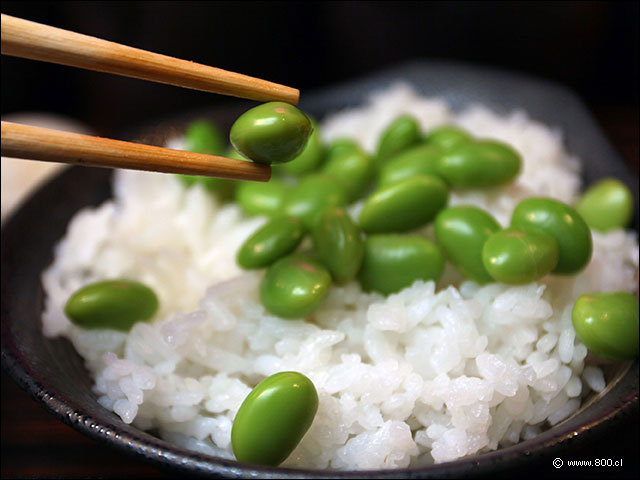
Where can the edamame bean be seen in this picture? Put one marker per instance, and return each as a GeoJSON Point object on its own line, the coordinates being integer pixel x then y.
{"type": "Point", "coordinates": [311, 196]}
{"type": "Point", "coordinates": [111, 304]}
{"type": "Point", "coordinates": [607, 323]}
{"type": "Point", "coordinates": [393, 262]}
{"type": "Point", "coordinates": [258, 198]}
{"type": "Point", "coordinates": [203, 136]}
{"type": "Point", "coordinates": [419, 160]}
{"type": "Point", "coordinates": [339, 244]}
{"type": "Point", "coordinates": [402, 133]}
{"type": "Point", "coordinates": [516, 257]}
{"type": "Point", "coordinates": [275, 239]}
{"type": "Point", "coordinates": [479, 164]}
{"type": "Point", "coordinates": [563, 224]}
{"type": "Point", "coordinates": [462, 232]}
{"type": "Point", "coordinates": [353, 170]}
{"type": "Point", "coordinates": [341, 146]}
{"type": "Point", "coordinates": [446, 137]}
{"type": "Point", "coordinates": [404, 205]}
{"type": "Point", "coordinates": [310, 158]}
{"type": "Point", "coordinates": [607, 205]}
{"type": "Point", "coordinates": [273, 419]}
{"type": "Point", "coordinates": [294, 286]}
{"type": "Point", "coordinates": [273, 132]}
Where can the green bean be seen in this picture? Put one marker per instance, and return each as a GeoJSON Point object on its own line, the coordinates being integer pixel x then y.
{"type": "Point", "coordinates": [461, 232]}
{"type": "Point", "coordinates": [353, 170]}
{"type": "Point", "coordinates": [516, 257]}
{"type": "Point", "coordinates": [311, 196]}
{"type": "Point", "coordinates": [402, 133]}
{"type": "Point", "coordinates": [203, 136]}
{"type": "Point", "coordinates": [446, 137]}
{"type": "Point", "coordinates": [258, 198]}
{"type": "Point", "coordinates": [479, 164]}
{"type": "Point", "coordinates": [273, 132]}
{"type": "Point", "coordinates": [419, 160]}
{"type": "Point", "coordinates": [309, 159]}
{"type": "Point", "coordinates": [340, 146]}
{"type": "Point", "coordinates": [393, 262]}
{"type": "Point", "coordinates": [273, 419]}
{"type": "Point", "coordinates": [111, 304]}
{"type": "Point", "coordinates": [339, 244]}
{"type": "Point", "coordinates": [607, 323]}
{"type": "Point", "coordinates": [404, 205]}
{"type": "Point", "coordinates": [607, 205]}
{"type": "Point", "coordinates": [294, 286]}
{"type": "Point", "coordinates": [275, 239]}
{"type": "Point", "coordinates": [563, 224]}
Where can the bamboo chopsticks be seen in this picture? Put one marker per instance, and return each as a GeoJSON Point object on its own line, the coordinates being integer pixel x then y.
{"type": "Point", "coordinates": [35, 143]}
{"type": "Point", "coordinates": [26, 39]}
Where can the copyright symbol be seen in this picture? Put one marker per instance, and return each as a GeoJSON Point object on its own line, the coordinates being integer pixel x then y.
{"type": "Point", "coordinates": [557, 462]}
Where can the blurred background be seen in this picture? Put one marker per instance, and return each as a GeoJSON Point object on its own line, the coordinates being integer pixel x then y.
{"type": "Point", "coordinates": [590, 47]}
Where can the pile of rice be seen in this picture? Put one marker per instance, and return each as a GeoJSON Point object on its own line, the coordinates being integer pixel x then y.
{"type": "Point", "coordinates": [427, 375]}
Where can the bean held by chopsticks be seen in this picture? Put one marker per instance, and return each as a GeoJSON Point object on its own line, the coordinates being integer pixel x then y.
{"type": "Point", "coordinates": [34, 143]}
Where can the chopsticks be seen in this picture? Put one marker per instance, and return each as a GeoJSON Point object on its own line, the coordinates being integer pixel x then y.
{"type": "Point", "coordinates": [26, 39]}
{"type": "Point", "coordinates": [35, 143]}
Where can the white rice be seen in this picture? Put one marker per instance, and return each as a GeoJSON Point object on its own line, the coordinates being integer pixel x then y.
{"type": "Point", "coordinates": [430, 374]}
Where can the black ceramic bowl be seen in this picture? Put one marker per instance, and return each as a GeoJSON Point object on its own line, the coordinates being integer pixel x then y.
{"type": "Point", "coordinates": [53, 373]}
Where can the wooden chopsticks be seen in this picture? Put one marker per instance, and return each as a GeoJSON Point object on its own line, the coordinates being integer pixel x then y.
{"type": "Point", "coordinates": [26, 39]}
{"type": "Point", "coordinates": [35, 143]}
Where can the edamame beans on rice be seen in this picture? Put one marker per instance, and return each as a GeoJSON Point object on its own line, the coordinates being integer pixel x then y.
{"type": "Point", "coordinates": [393, 372]}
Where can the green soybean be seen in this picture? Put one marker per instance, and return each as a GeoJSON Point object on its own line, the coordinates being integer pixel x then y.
{"type": "Point", "coordinates": [419, 160]}
{"type": "Point", "coordinates": [607, 323]}
{"type": "Point", "coordinates": [111, 304]}
{"type": "Point", "coordinates": [402, 133]}
{"type": "Point", "coordinates": [275, 239]}
{"type": "Point", "coordinates": [516, 257]}
{"type": "Point", "coordinates": [353, 170]}
{"type": "Point", "coordinates": [393, 262]}
{"type": "Point", "coordinates": [258, 198]}
{"type": "Point", "coordinates": [273, 132]}
{"type": "Point", "coordinates": [273, 419]}
{"type": "Point", "coordinates": [311, 196]}
{"type": "Point", "coordinates": [294, 286]}
{"type": "Point", "coordinates": [462, 232]}
{"type": "Point", "coordinates": [338, 243]}
{"type": "Point", "coordinates": [446, 137]}
{"type": "Point", "coordinates": [607, 205]}
{"type": "Point", "coordinates": [340, 146]}
{"type": "Point", "coordinates": [203, 136]}
{"type": "Point", "coordinates": [479, 164]}
{"type": "Point", "coordinates": [563, 224]}
{"type": "Point", "coordinates": [309, 159]}
{"type": "Point", "coordinates": [404, 205]}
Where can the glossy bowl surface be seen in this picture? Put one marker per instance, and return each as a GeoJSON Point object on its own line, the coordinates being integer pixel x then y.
{"type": "Point", "coordinates": [54, 374]}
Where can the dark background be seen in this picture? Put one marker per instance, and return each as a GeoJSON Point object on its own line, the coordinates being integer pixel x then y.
{"type": "Point", "coordinates": [591, 47]}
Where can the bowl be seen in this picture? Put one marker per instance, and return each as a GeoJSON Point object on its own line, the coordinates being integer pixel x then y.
{"type": "Point", "coordinates": [53, 373]}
